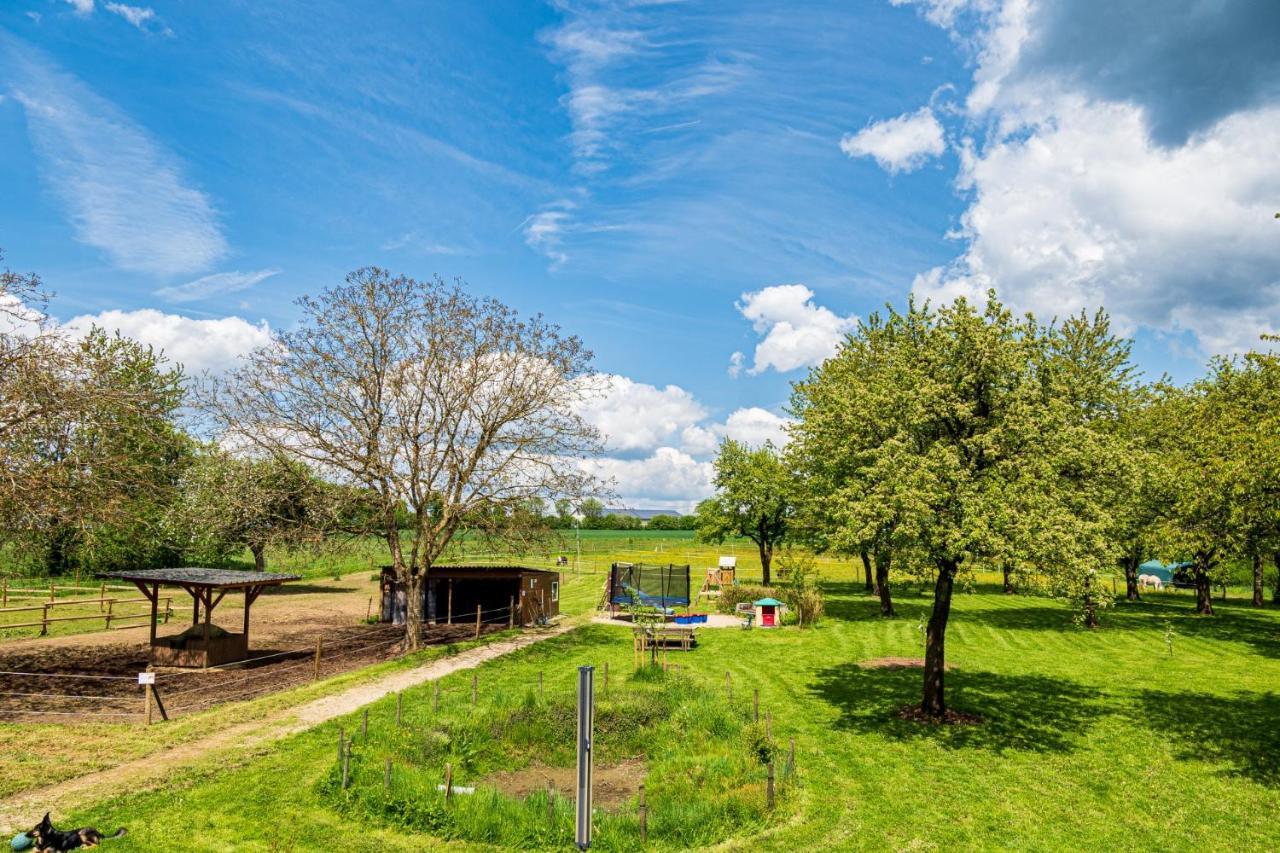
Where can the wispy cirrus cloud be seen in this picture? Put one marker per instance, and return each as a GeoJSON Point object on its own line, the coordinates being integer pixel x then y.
{"type": "Point", "coordinates": [215, 285]}
{"type": "Point", "coordinates": [142, 17]}
{"type": "Point", "coordinates": [125, 193]}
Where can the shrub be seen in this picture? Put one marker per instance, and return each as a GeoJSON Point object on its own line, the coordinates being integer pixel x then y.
{"type": "Point", "coordinates": [731, 596]}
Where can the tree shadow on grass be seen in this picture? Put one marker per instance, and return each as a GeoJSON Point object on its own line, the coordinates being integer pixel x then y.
{"type": "Point", "coordinates": [1242, 731]}
{"type": "Point", "coordinates": [1019, 712]}
{"type": "Point", "coordinates": [850, 602]}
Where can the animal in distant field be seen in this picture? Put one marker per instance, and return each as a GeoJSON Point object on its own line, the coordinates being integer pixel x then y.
{"type": "Point", "coordinates": [50, 840]}
{"type": "Point", "coordinates": [1150, 582]}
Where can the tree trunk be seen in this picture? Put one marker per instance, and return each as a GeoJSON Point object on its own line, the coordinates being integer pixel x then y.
{"type": "Point", "coordinates": [866, 569]}
{"type": "Point", "coordinates": [1090, 605]}
{"type": "Point", "coordinates": [766, 558]}
{"type": "Point", "coordinates": [1131, 579]}
{"type": "Point", "coordinates": [934, 703]}
{"type": "Point", "coordinates": [1204, 595]}
{"type": "Point", "coordinates": [413, 615]}
{"type": "Point", "coordinates": [1257, 578]}
{"type": "Point", "coordinates": [259, 556]}
{"type": "Point", "coordinates": [1275, 595]}
{"type": "Point", "coordinates": [882, 586]}
{"type": "Point", "coordinates": [1008, 580]}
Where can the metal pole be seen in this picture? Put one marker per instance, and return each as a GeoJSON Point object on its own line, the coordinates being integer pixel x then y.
{"type": "Point", "coordinates": [586, 724]}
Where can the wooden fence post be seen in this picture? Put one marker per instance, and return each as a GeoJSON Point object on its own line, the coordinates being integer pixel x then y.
{"type": "Point", "coordinates": [168, 608]}
{"type": "Point", "coordinates": [110, 607]}
{"type": "Point", "coordinates": [102, 593]}
{"type": "Point", "coordinates": [386, 775]}
{"type": "Point", "coordinates": [315, 672]}
{"type": "Point", "coordinates": [448, 782]}
{"type": "Point", "coordinates": [644, 817]}
{"type": "Point", "coordinates": [346, 766]}
{"type": "Point", "coordinates": [551, 801]}
{"type": "Point", "coordinates": [146, 702]}
{"type": "Point", "coordinates": [477, 621]}
{"type": "Point", "coordinates": [44, 621]}
{"type": "Point", "coordinates": [364, 724]}
{"type": "Point", "coordinates": [511, 613]}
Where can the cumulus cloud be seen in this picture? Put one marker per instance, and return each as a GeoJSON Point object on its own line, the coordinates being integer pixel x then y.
{"type": "Point", "coordinates": [797, 333]}
{"type": "Point", "coordinates": [198, 345]}
{"type": "Point", "coordinates": [81, 7]}
{"type": "Point", "coordinates": [126, 195]}
{"type": "Point", "coordinates": [215, 285]}
{"type": "Point", "coordinates": [667, 478]}
{"type": "Point", "coordinates": [901, 144]}
{"type": "Point", "coordinates": [635, 416]}
{"type": "Point", "coordinates": [752, 426]}
{"type": "Point", "coordinates": [1120, 156]}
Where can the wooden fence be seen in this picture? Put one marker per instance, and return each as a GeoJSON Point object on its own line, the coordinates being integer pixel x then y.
{"type": "Point", "coordinates": [106, 612]}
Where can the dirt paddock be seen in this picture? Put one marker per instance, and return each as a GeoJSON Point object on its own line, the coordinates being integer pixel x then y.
{"type": "Point", "coordinates": [94, 677]}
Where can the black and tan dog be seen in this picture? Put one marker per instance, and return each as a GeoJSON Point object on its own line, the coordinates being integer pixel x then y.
{"type": "Point", "coordinates": [50, 840]}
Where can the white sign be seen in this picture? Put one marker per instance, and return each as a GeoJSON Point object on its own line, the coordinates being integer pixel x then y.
{"type": "Point", "coordinates": [146, 678]}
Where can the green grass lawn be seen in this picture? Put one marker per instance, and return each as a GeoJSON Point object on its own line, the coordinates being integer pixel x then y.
{"type": "Point", "coordinates": [1089, 740]}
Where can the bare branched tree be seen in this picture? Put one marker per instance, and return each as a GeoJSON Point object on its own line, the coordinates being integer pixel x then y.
{"type": "Point", "coordinates": [436, 401]}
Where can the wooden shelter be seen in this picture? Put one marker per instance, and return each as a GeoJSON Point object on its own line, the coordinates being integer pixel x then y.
{"type": "Point", "coordinates": [507, 595]}
{"type": "Point", "coordinates": [203, 644]}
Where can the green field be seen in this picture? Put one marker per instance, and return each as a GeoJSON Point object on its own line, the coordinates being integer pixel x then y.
{"type": "Point", "coordinates": [1158, 731]}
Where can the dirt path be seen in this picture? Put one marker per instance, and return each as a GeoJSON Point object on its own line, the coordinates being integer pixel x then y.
{"type": "Point", "coordinates": [153, 770]}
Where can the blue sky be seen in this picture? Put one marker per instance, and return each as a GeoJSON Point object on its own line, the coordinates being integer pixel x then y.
{"type": "Point", "coordinates": [707, 193]}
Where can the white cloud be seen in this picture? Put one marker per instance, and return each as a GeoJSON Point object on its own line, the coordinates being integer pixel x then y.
{"type": "Point", "coordinates": [214, 285]}
{"type": "Point", "coordinates": [544, 232]}
{"type": "Point", "coordinates": [635, 416]}
{"type": "Point", "coordinates": [136, 15]}
{"type": "Point", "coordinates": [797, 333]}
{"type": "Point", "coordinates": [1116, 193]}
{"type": "Point", "coordinates": [751, 425]}
{"type": "Point", "coordinates": [198, 345]}
{"type": "Point", "coordinates": [667, 478]}
{"type": "Point", "coordinates": [82, 7]}
{"type": "Point", "coordinates": [126, 194]}
{"type": "Point", "coordinates": [901, 144]}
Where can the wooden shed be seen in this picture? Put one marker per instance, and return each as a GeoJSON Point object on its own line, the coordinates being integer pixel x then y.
{"type": "Point", "coordinates": [452, 594]}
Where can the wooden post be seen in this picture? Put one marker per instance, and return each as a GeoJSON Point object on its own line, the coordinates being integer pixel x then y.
{"type": "Point", "coordinates": [644, 817]}
{"type": "Point", "coordinates": [315, 673]}
{"type": "Point", "coordinates": [102, 593]}
{"type": "Point", "coordinates": [110, 607]}
{"type": "Point", "coordinates": [146, 702]}
{"type": "Point", "coordinates": [346, 766]}
{"type": "Point", "coordinates": [368, 611]}
{"type": "Point", "coordinates": [399, 698]}
{"type": "Point", "coordinates": [448, 782]}
{"type": "Point", "coordinates": [475, 683]}
{"type": "Point", "coordinates": [511, 613]}
{"type": "Point", "coordinates": [756, 704]}
{"type": "Point", "coordinates": [769, 788]}
{"type": "Point", "coordinates": [155, 602]}
{"type": "Point", "coordinates": [477, 621]}
{"type": "Point", "coordinates": [449, 614]}
{"type": "Point", "coordinates": [551, 802]}
{"type": "Point", "coordinates": [364, 724]}
{"type": "Point", "coordinates": [168, 607]}
{"type": "Point", "coordinates": [386, 775]}
{"type": "Point", "coordinates": [44, 621]}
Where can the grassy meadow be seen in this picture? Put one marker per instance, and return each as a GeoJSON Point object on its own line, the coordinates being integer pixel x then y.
{"type": "Point", "coordinates": [1157, 731]}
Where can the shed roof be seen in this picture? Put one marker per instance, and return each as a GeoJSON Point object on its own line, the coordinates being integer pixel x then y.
{"type": "Point", "coordinates": [768, 602]}
{"type": "Point", "coordinates": [483, 571]}
{"type": "Point", "coordinates": [194, 576]}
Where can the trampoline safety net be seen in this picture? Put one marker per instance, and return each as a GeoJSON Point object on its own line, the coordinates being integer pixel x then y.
{"type": "Point", "coordinates": [635, 584]}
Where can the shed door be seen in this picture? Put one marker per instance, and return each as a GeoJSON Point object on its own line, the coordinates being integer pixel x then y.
{"type": "Point", "coordinates": [767, 616]}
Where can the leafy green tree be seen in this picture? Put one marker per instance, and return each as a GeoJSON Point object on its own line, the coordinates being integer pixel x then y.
{"type": "Point", "coordinates": [755, 498]}
{"type": "Point", "coordinates": [967, 439]}
{"type": "Point", "coordinates": [591, 510]}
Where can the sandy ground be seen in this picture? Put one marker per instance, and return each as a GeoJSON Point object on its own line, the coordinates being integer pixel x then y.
{"type": "Point", "coordinates": [232, 744]}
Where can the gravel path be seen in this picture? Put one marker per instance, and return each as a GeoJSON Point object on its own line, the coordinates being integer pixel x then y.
{"type": "Point", "coordinates": [152, 771]}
